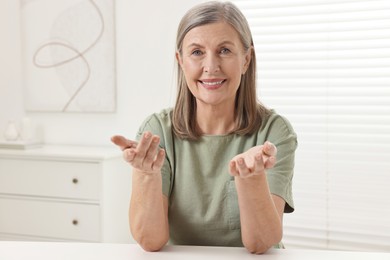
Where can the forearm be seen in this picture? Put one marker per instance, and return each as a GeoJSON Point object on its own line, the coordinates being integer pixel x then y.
{"type": "Point", "coordinates": [261, 224]}
{"type": "Point", "coordinates": [148, 216]}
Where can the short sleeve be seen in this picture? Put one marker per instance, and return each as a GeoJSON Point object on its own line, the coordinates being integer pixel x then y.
{"type": "Point", "coordinates": [282, 135]}
{"type": "Point", "coordinates": [158, 126]}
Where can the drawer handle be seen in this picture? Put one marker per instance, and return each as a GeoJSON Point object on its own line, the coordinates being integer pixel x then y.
{"type": "Point", "coordinates": [75, 222]}
{"type": "Point", "coordinates": [75, 180]}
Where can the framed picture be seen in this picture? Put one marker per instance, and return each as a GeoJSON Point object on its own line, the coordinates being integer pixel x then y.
{"type": "Point", "coordinates": [68, 52]}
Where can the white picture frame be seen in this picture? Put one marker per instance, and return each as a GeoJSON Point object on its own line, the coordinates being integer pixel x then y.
{"type": "Point", "coordinates": [68, 54]}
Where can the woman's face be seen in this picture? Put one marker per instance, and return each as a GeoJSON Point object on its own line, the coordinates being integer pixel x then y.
{"type": "Point", "coordinates": [213, 60]}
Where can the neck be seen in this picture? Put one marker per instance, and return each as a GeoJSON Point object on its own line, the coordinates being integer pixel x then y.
{"type": "Point", "coordinates": [215, 121]}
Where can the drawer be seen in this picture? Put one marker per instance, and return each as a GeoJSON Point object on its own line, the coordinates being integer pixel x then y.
{"type": "Point", "coordinates": [50, 219]}
{"type": "Point", "coordinates": [50, 178]}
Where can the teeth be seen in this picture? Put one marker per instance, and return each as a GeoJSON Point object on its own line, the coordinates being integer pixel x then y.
{"type": "Point", "coordinates": [212, 83]}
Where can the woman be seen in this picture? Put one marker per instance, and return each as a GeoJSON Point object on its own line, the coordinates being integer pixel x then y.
{"type": "Point", "coordinates": [182, 190]}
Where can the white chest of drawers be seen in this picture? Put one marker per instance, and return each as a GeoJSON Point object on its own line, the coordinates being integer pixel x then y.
{"type": "Point", "coordinates": [64, 193]}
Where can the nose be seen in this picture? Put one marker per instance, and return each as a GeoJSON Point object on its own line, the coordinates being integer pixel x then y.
{"type": "Point", "coordinates": [211, 64]}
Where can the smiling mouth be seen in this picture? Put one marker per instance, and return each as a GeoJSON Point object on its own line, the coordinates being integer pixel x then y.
{"type": "Point", "coordinates": [212, 83]}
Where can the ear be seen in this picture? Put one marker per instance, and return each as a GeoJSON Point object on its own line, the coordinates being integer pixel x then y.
{"type": "Point", "coordinates": [179, 59]}
{"type": "Point", "coordinates": [248, 58]}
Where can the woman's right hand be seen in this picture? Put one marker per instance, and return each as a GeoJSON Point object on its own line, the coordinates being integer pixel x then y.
{"type": "Point", "coordinates": [145, 156]}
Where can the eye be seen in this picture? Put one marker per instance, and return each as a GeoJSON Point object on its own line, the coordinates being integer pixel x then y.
{"type": "Point", "coordinates": [225, 51]}
{"type": "Point", "coordinates": [197, 52]}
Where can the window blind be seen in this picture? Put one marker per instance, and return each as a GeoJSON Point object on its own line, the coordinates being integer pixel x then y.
{"type": "Point", "coordinates": [325, 65]}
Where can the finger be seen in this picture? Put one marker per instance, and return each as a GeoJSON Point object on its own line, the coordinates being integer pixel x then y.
{"type": "Point", "coordinates": [259, 164]}
{"type": "Point", "coordinates": [122, 142]}
{"type": "Point", "coordinates": [160, 158]}
{"type": "Point", "coordinates": [270, 162]}
{"type": "Point", "coordinates": [233, 169]}
{"type": "Point", "coordinates": [243, 169]}
{"type": "Point", "coordinates": [128, 155]}
{"type": "Point", "coordinates": [143, 146]}
{"type": "Point", "coordinates": [152, 151]}
{"type": "Point", "coordinates": [269, 149]}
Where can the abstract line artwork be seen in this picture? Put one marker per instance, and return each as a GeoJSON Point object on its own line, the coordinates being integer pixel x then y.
{"type": "Point", "coordinates": [68, 51]}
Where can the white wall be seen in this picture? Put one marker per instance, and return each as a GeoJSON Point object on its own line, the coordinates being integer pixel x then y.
{"type": "Point", "coordinates": [145, 37]}
{"type": "Point", "coordinates": [11, 105]}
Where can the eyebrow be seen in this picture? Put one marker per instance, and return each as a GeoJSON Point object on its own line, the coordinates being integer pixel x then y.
{"type": "Point", "coordinates": [194, 45]}
{"type": "Point", "coordinates": [220, 44]}
{"type": "Point", "coordinates": [226, 43]}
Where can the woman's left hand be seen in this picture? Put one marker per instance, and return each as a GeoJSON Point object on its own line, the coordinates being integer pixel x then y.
{"type": "Point", "coordinates": [254, 161]}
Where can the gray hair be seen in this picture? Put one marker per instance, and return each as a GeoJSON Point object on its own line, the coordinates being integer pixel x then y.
{"type": "Point", "coordinates": [212, 12]}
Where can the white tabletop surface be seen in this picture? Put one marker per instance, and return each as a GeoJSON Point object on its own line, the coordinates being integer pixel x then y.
{"type": "Point", "coordinates": [96, 251]}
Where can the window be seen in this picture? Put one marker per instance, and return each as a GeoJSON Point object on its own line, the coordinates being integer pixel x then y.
{"type": "Point", "coordinates": [325, 65]}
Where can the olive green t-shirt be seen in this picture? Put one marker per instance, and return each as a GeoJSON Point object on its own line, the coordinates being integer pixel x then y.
{"type": "Point", "coordinates": [203, 203]}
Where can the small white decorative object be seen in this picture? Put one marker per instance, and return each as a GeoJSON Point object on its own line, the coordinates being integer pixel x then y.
{"type": "Point", "coordinates": [11, 132]}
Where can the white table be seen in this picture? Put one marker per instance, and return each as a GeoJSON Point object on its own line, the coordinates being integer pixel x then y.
{"type": "Point", "coordinates": [98, 251]}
